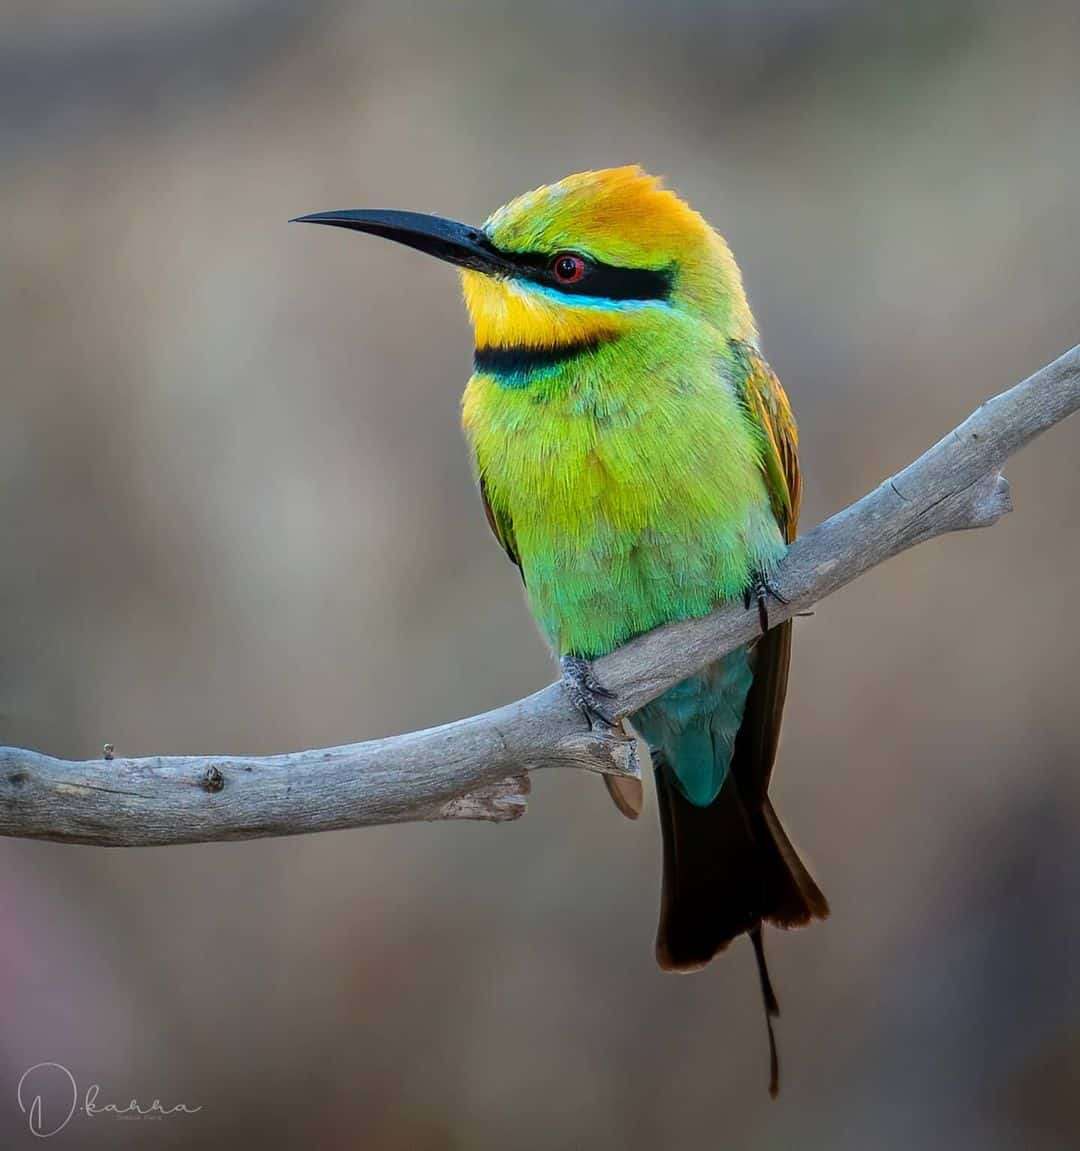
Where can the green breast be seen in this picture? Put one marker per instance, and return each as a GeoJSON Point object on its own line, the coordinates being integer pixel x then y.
{"type": "Point", "coordinates": [632, 483]}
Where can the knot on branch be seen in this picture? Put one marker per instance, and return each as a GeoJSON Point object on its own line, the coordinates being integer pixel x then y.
{"type": "Point", "coordinates": [601, 751]}
{"type": "Point", "coordinates": [498, 803]}
{"type": "Point", "coordinates": [213, 780]}
{"type": "Point", "coordinates": [991, 498]}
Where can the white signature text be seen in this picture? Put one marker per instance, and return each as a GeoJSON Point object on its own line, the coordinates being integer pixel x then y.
{"type": "Point", "coordinates": [49, 1097]}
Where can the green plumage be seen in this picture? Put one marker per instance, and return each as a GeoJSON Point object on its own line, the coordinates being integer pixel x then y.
{"type": "Point", "coordinates": [629, 484]}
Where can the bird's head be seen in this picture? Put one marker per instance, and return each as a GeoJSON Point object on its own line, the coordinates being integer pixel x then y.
{"type": "Point", "coordinates": [595, 257]}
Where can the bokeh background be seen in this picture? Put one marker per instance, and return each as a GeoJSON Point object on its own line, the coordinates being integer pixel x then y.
{"type": "Point", "coordinates": [236, 515]}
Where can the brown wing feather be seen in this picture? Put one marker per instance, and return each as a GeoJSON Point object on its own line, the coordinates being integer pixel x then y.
{"type": "Point", "coordinates": [759, 734]}
{"type": "Point", "coordinates": [768, 405]}
{"type": "Point", "coordinates": [502, 528]}
{"type": "Point", "coordinates": [755, 749]}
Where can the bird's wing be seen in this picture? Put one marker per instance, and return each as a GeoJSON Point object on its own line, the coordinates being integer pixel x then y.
{"type": "Point", "coordinates": [795, 898]}
{"type": "Point", "coordinates": [768, 406]}
{"type": "Point", "coordinates": [502, 527]}
{"type": "Point", "coordinates": [756, 743]}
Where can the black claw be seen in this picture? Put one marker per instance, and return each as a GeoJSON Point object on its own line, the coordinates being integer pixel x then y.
{"type": "Point", "coordinates": [586, 692]}
{"type": "Point", "coordinates": [760, 589]}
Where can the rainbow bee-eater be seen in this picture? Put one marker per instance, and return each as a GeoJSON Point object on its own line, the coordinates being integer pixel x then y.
{"type": "Point", "coordinates": [638, 461]}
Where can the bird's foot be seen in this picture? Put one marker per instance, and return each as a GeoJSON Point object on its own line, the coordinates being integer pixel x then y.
{"type": "Point", "coordinates": [761, 587]}
{"type": "Point", "coordinates": [587, 693]}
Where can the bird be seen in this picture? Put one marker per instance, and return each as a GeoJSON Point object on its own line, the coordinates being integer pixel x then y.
{"type": "Point", "coordinates": [638, 462]}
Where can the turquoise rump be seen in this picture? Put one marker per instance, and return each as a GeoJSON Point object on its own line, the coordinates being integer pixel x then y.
{"type": "Point", "coordinates": [693, 725]}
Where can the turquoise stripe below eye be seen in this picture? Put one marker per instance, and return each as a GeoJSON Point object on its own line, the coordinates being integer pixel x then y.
{"type": "Point", "coordinates": [599, 303]}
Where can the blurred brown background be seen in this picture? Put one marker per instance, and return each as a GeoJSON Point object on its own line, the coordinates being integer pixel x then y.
{"type": "Point", "coordinates": [236, 515]}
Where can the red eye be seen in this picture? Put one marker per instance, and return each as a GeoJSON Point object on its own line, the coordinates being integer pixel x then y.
{"type": "Point", "coordinates": [568, 268]}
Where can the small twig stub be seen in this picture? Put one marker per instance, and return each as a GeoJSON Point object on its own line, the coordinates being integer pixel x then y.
{"type": "Point", "coordinates": [212, 779]}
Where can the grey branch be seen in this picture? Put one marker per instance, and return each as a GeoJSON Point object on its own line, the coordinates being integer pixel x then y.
{"type": "Point", "coordinates": [478, 768]}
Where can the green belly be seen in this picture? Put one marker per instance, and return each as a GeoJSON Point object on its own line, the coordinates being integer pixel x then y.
{"type": "Point", "coordinates": [617, 585]}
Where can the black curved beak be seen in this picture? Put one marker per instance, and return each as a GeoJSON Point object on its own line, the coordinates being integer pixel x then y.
{"type": "Point", "coordinates": [445, 239]}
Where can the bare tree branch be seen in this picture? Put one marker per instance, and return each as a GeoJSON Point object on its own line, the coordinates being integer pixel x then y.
{"type": "Point", "coordinates": [477, 768]}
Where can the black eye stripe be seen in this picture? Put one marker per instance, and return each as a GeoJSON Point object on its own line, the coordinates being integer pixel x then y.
{"type": "Point", "coordinates": [606, 281]}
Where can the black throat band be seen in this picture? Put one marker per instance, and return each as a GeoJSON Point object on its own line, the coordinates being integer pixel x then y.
{"type": "Point", "coordinates": [521, 360]}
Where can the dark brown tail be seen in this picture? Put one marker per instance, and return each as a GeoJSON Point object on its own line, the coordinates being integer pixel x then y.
{"type": "Point", "coordinates": [728, 870]}
{"type": "Point", "coordinates": [730, 867]}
